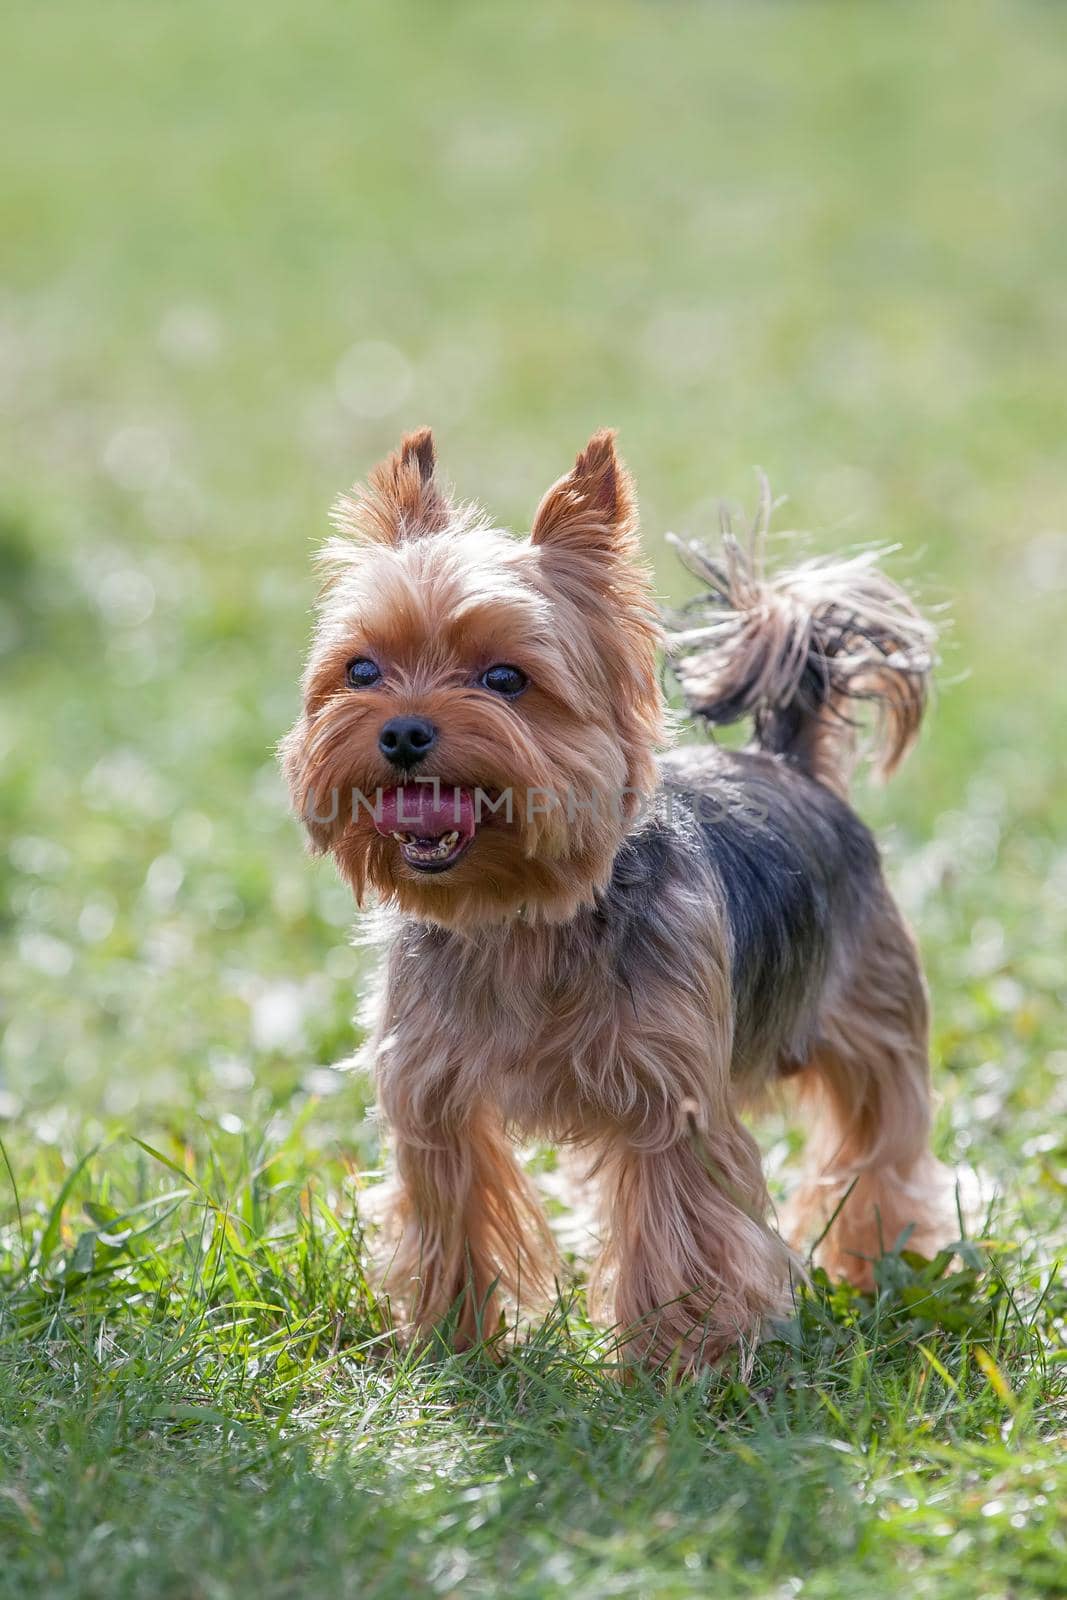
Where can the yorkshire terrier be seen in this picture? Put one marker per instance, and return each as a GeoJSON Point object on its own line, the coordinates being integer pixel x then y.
{"type": "Point", "coordinates": [591, 942]}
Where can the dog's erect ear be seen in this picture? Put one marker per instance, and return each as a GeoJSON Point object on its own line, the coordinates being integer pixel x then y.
{"type": "Point", "coordinates": [593, 507]}
{"type": "Point", "coordinates": [402, 498]}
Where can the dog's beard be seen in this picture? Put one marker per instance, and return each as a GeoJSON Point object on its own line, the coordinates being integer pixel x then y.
{"type": "Point", "coordinates": [537, 810]}
{"type": "Point", "coordinates": [460, 854]}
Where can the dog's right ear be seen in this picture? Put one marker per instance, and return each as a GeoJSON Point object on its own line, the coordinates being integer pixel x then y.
{"type": "Point", "coordinates": [400, 500]}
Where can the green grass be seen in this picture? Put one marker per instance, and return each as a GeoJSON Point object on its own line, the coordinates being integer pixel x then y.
{"type": "Point", "coordinates": [241, 249]}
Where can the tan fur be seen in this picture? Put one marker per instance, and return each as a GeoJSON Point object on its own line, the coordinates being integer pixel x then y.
{"type": "Point", "coordinates": [503, 1012]}
{"type": "Point", "coordinates": [813, 642]}
{"type": "Point", "coordinates": [866, 1094]}
{"type": "Point", "coordinates": [439, 603]}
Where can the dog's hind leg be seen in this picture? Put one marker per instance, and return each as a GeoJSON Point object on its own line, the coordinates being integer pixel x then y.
{"type": "Point", "coordinates": [870, 1173]}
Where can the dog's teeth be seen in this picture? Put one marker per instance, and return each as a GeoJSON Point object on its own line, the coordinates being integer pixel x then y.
{"type": "Point", "coordinates": [428, 849]}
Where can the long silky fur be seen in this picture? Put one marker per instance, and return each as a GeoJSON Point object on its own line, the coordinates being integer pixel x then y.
{"type": "Point", "coordinates": [801, 651]}
{"type": "Point", "coordinates": [626, 981]}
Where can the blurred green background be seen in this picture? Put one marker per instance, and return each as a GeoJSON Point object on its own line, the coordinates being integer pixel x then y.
{"type": "Point", "coordinates": [244, 247]}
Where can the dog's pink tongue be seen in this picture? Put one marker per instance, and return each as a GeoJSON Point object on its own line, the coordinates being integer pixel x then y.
{"type": "Point", "coordinates": [415, 808]}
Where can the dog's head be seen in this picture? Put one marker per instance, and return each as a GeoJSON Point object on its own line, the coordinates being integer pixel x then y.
{"type": "Point", "coordinates": [480, 712]}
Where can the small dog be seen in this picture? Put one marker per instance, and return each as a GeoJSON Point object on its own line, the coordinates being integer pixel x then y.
{"type": "Point", "coordinates": [588, 944]}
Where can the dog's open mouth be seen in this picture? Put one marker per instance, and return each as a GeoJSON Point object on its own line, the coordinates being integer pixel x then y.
{"type": "Point", "coordinates": [433, 824]}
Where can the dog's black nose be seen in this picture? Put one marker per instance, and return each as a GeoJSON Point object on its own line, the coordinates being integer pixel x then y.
{"type": "Point", "coordinates": [405, 740]}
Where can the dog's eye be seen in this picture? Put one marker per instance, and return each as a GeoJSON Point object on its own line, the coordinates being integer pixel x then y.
{"type": "Point", "coordinates": [505, 680]}
{"type": "Point", "coordinates": [361, 673]}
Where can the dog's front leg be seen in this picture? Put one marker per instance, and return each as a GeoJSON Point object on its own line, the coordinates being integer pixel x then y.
{"type": "Point", "coordinates": [465, 1223]}
{"type": "Point", "coordinates": [691, 1266]}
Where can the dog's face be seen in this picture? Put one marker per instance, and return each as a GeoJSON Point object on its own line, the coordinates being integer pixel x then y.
{"type": "Point", "coordinates": [480, 712]}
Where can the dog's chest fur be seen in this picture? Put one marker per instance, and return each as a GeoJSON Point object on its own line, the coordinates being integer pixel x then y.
{"type": "Point", "coordinates": [714, 935]}
{"type": "Point", "coordinates": [549, 1021]}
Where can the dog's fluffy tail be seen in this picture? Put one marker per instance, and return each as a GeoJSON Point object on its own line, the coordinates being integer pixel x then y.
{"type": "Point", "coordinates": [801, 650]}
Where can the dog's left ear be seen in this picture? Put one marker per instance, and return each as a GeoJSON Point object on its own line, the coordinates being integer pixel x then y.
{"type": "Point", "coordinates": [402, 498]}
{"type": "Point", "coordinates": [594, 507]}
